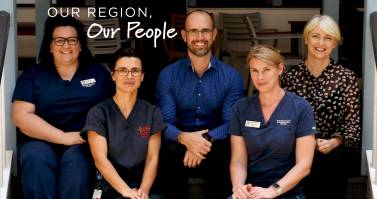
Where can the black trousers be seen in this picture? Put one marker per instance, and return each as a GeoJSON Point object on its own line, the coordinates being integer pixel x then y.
{"type": "Point", "coordinates": [173, 175]}
{"type": "Point", "coordinates": [329, 174]}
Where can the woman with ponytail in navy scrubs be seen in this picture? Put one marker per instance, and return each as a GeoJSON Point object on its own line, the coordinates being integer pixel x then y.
{"type": "Point", "coordinates": [124, 134]}
{"type": "Point", "coordinates": [272, 134]}
{"type": "Point", "coordinates": [50, 104]}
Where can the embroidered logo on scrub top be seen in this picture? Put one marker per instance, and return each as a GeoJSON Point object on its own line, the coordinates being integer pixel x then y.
{"type": "Point", "coordinates": [283, 122]}
{"type": "Point", "coordinates": [88, 82]}
{"type": "Point", "coordinates": [144, 132]}
{"type": "Point", "coordinates": [252, 124]}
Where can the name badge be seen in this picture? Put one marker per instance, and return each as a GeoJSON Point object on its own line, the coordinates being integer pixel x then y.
{"type": "Point", "coordinates": [88, 82]}
{"type": "Point", "coordinates": [252, 124]}
{"type": "Point", "coordinates": [97, 194]}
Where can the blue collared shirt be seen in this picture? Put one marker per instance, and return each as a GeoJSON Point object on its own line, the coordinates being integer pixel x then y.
{"type": "Point", "coordinates": [190, 103]}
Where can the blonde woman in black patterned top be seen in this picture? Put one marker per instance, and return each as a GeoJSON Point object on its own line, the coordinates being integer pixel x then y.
{"type": "Point", "coordinates": [332, 91]}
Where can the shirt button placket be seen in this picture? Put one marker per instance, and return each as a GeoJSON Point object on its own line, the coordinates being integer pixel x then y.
{"type": "Point", "coordinates": [197, 120]}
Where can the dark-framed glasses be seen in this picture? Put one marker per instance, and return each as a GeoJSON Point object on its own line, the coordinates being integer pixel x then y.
{"type": "Point", "coordinates": [134, 71]}
{"type": "Point", "coordinates": [205, 32]}
{"type": "Point", "coordinates": [59, 41]}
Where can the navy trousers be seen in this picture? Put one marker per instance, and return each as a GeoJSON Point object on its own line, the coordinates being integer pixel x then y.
{"type": "Point", "coordinates": [53, 171]}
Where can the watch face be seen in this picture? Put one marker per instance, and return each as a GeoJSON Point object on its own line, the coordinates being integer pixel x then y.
{"type": "Point", "coordinates": [276, 186]}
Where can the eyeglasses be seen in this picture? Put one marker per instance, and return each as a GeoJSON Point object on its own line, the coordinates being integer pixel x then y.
{"type": "Point", "coordinates": [205, 32]}
{"type": "Point", "coordinates": [134, 71]}
{"type": "Point", "coordinates": [59, 41]}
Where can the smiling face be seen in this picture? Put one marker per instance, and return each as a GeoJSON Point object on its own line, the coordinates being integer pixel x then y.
{"type": "Point", "coordinates": [320, 44]}
{"type": "Point", "coordinates": [127, 83]}
{"type": "Point", "coordinates": [65, 54]}
{"type": "Point", "coordinates": [265, 77]}
{"type": "Point", "coordinates": [199, 45]}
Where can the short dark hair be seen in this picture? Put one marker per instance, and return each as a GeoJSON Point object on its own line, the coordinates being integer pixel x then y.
{"type": "Point", "coordinates": [213, 23]}
{"type": "Point", "coordinates": [46, 58]}
{"type": "Point", "coordinates": [123, 52]}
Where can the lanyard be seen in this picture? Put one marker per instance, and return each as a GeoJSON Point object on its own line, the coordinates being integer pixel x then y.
{"type": "Point", "coordinates": [99, 178]}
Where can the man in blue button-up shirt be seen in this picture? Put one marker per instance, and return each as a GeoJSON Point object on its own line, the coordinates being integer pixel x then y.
{"type": "Point", "coordinates": [196, 95]}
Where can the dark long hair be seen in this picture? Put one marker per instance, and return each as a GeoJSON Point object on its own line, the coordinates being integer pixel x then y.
{"type": "Point", "coordinates": [46, 59]}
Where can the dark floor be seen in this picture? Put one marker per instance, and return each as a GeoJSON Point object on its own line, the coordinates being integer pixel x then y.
{"type": "Point", "coordinates": [356, 188]}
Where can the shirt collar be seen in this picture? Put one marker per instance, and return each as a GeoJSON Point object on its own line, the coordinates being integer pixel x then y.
{"type": "Point", "coordinates": [303, 67]}
{"type": "Point", "coordinates": [212, 62]}
{"type": "Point", "coordinates": [209, 66]}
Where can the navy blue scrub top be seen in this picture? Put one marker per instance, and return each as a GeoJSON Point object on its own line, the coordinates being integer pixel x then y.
{"type": "Point", "coordinates": [127, 139]}
{"type": "Point", "coordinates": [271, 147]}
{"type": "Point", "coordinates": [63, 104]}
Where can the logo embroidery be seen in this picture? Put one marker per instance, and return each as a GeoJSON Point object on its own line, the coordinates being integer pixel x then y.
{"type": "Point", "coordinates": [283, 122]}
{"type": "Point", "coordinates": [144, 132]}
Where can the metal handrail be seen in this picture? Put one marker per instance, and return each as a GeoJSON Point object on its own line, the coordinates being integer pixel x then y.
{"type": "Point", "coordinates": [4, 32]}
{"type": "Point", "coordinates": [373, 29]}
{"type": "Point", "coordinates": [373, 25]}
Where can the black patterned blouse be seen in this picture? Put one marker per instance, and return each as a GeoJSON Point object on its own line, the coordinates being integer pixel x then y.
{"type": "Point", "coordinates": [335, 100]}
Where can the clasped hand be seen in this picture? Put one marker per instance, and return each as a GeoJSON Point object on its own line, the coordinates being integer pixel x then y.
{"type": "Point", "coordinates": [196, 146]}
{"type": "Point", "coordinates": [250, 192]}
{"type": "Point", "coordinates": [324, 146]}
{"type": "Point", "coordinates": [135, 194]}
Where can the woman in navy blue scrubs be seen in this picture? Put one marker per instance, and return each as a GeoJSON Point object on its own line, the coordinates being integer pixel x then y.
{"type": "Point", "coordinates": [50, 104]}
{"type": "Point", "coordinates": [124, 134]}
{"type": "Point", "coordinates": [272, 134]}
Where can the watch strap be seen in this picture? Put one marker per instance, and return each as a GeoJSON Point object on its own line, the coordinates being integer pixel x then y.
{"type": "Point", "coordinates": [207, 137]}
{"type": "Point", "coordinates": [277, 187]}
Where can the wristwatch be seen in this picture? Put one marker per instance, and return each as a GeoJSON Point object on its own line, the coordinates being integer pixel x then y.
{"type": "Point", "coordinates": [207, 137]}
{"type": "Point", "coordinates": [277, 187]}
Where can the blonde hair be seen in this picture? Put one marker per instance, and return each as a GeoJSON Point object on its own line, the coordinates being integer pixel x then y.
{"type": "Point", "coordinates": [326, 23]}
{"type": "Point", "coordinates": [265, 53]}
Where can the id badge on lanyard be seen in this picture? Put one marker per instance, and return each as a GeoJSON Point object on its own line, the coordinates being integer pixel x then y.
{"type": "Point", "coordinates": [98, 192]}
